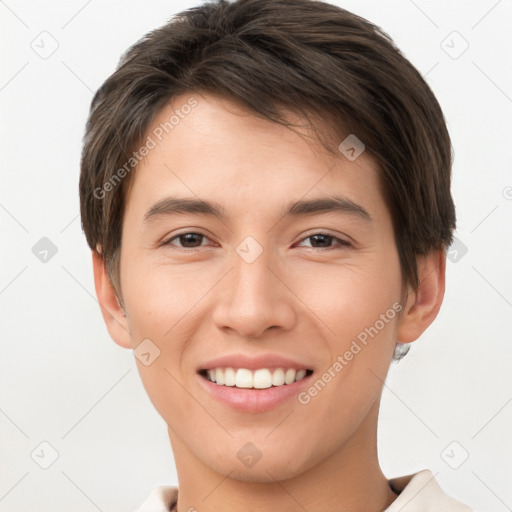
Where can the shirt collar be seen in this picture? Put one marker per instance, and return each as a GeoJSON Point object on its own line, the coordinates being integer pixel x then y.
{"type": "Point", "coordinates": [418, 492]}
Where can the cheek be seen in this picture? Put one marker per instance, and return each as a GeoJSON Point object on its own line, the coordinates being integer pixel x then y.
{"type": "Point", "coordinates": [158, 297]}
{"type": "Point", "coordinates": [351, 297]}
{"type": "Point", "coordinates": [362, 314]}
{"type": "Point", "coordinates": [162, 305]}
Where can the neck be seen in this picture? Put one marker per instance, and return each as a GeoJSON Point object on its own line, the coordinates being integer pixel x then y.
{"type": "Point", "coordinates": [347, 480]}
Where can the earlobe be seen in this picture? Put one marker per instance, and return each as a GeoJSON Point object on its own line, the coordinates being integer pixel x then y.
{"type": "Point", "coordinates": [112, 311]}
{"type": "Point", "coordinates": [422, 307]}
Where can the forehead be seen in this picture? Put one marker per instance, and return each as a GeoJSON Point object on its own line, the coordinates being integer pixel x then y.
{"type": "Point", "coordinates": [212, 147]}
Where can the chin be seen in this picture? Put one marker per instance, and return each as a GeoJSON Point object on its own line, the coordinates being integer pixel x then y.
{"type": "Point", "coordinates": [268, 469]}
{"type": "Point", "coordinates": [261, 475]}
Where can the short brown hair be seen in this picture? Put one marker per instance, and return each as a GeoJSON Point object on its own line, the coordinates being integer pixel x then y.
{"type": "Point", "coordinates": [302, 56]}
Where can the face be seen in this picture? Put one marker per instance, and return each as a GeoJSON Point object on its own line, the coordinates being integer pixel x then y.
{"type": "Point", "coordinates": [253, 282]}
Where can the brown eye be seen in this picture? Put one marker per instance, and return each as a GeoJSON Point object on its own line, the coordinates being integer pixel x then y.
{"type": "Point", "coordinates": [324, 241]}
{"type": "Point", "coordinates": [187, 240]}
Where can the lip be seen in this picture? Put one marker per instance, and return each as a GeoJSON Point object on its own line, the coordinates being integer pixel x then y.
{"type": "Point", "coordinates": [253, 400]}
{"type": "Point", "coordinates": [270, 361]}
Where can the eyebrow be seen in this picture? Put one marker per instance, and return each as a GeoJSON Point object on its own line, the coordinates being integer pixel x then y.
{"type": "Point", "coordinates": [178, 205]}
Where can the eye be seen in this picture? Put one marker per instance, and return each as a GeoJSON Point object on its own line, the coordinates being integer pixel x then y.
{"type": "Point", "coordinates": [192, 240]}
{"type": "Point", "coordinates": [323, 240]}
{"type": "Point", "coordinates": [188, 240]}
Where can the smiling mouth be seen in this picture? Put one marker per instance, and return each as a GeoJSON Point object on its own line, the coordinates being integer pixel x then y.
{"type": "Point", "coordinates": [262, 378]}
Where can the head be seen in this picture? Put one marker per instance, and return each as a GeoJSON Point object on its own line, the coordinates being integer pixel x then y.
{"type": "Point", "coordinates": [260, 109]}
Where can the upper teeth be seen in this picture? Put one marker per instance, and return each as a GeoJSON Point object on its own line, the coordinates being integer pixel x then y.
{"type": "Point", "coordinates": [259, 379]}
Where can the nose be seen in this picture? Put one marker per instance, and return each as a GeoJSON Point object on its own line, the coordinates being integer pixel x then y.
{"type": "Point", "coordinates": [254, 298]}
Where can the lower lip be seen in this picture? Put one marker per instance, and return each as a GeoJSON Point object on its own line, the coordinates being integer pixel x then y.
{"type": "Point", "coordinates": [254, 400]}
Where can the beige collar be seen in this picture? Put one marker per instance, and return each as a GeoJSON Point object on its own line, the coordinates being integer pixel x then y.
{"type": "Point", "coordinates": [418, 492]}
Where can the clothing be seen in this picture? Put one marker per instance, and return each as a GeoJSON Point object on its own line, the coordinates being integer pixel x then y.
{"type": "Point", "coordinates": [418, 492]}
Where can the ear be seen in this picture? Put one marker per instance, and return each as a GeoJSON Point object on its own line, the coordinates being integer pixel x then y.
{"type": "Point", "coordinates": [113, 314]}
{"type": "Point", "coordinates": [422, 307]}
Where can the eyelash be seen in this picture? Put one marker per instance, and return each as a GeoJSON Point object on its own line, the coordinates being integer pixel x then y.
{"type": "Point", "coordinates": [342, 243]}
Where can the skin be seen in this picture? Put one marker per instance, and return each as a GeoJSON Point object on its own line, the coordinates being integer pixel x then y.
{"type": "Point", "coordinates": [299, 298]}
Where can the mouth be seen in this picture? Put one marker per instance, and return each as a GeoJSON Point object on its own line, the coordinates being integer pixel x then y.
{"type": "Point", "coordinates": [261, 378]}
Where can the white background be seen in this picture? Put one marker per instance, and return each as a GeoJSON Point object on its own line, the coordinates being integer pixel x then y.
{"type": "Point", "coordinates": [63, 381]}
